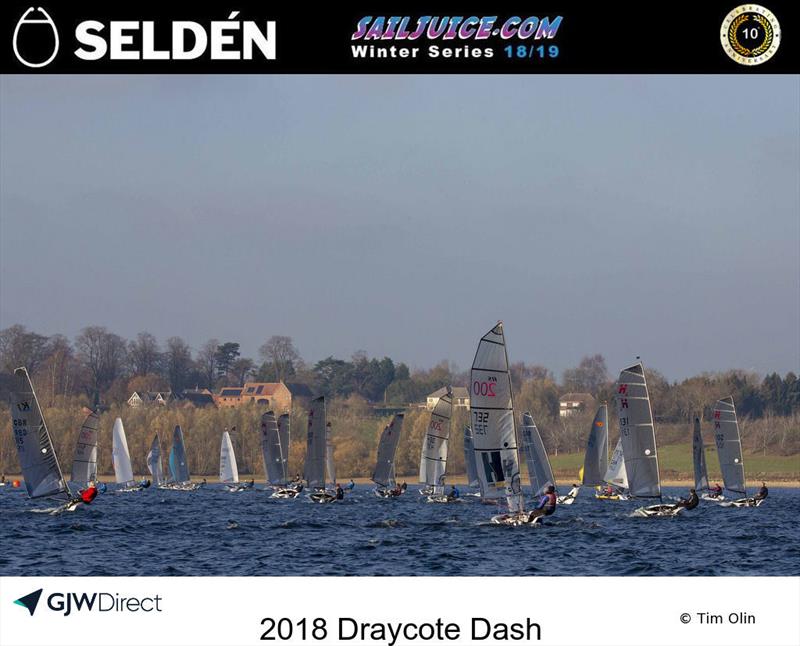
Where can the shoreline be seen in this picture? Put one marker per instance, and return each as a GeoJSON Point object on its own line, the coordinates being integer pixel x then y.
{"type": "Point", "coordinates": [461, 480]}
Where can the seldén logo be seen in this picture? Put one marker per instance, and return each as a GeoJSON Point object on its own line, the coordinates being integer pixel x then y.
{"type": "Point", "coordinates": [36, 40]}
{"type": "Point", "coordinates": [68, 602]}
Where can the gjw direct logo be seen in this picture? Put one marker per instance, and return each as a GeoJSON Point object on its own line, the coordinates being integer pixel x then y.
{"type": "Point", "coordinates": [68, 602]}
{"type": "Point", "coordinates": [36, 41]}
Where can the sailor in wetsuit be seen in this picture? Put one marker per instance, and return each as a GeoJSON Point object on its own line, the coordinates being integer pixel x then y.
{"type": "Point", "coordinates": [339, 492]}
{"type": "Point", "coordinates": [351, 485]}
{"type": "Point", "coordinates": [715, 491]}
{"type": "Point", "coordinates": [546, 506]}
{"type": "Point", "coordinates": [762, 493]}
{"type": "Point", "coordinates": [454, 493]}
{"type": "Point", "coordinates": [403, 486]}
{"type": "Point", "coordinates": [88, 494]}
{"type": "Point", "coordinates": [691, 502]}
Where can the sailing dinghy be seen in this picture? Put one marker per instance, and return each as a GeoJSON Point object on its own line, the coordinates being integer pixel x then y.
{"type": "Point", "coordinates": [469, 462]}
{"type": "Point", "coordinates": [123, 471]}
{"type": "Point", "coordinates": [494, 432]}
{"type": "Point", "coordinates": [275, 454]}
{"type": "Point", "coordinates": [616, 476]}
{"type": "Point", "coordinates": [540, 473]}
{"type": "Point", "coordinates": [699, 464]}
{"type": "Point", "coordinates": [384, 475]}
{"type": "Point", "coordinates": [37, 457]}
{"type": "Point", "coordinates": [84, 461]}
{"type": "Point", "coordinates": [638, 437]}
{"type": "Point", "coordinates": [154, 462]}
{"type": "Point", "coordinates": [228, 469]}
{"type": "Point", "coordinates": [433, 457]}
{"type": "Point", "coordinates": [180, 480]}
{"type": "Point", "coordinates": [319, 458]}
{"type": "Point", "coordinates": [595, 470]}
{"type": "Point", "coordinates": [728, 439]}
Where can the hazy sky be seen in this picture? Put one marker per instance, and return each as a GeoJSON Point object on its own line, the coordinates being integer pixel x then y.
{"type": "Point", "coordinates": [654, 216]}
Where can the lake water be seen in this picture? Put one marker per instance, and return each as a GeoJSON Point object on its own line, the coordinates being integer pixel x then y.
{"type": "Point", "coordinates": [156, 533]}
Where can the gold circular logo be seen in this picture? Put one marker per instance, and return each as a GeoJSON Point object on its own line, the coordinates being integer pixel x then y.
{"type": "Point", "coordinates": [750, 34]}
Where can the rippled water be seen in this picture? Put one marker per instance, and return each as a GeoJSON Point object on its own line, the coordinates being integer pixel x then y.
{"type": "Point", "coordinates": [214, 532]}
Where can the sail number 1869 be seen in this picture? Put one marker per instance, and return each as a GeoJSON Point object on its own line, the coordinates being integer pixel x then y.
{"type": "Point", "coordinates": [287, 629]}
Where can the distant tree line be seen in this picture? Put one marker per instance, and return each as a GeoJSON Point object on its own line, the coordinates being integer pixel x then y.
{"type": "Point", "coordinates": [100, 366]}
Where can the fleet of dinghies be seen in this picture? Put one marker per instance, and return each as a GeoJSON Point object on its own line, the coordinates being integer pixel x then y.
{"type": "Point", "coordinates": [493, 447]}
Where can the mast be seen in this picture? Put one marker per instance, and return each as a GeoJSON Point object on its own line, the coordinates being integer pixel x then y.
{"type": "Point", "coordinates": [729, 446]}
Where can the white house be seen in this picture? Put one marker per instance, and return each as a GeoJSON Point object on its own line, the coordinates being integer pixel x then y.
{"type": "Point", "coordinates": [460, 397]}
{"type": "Point", "coordinates": [572, 403]}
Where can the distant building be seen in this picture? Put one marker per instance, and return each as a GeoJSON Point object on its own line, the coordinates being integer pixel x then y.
{"type": "Point", "coordinates": [141, 398]}
{"type": "Point", "coordinates": [229, 397]}
{"type": "Point", "coordinates": [279, 396]}
{"type": "Point", "coordinates": [460, 397]}
{"type": "Point", "coordinates": [198, 397]}
{"type": "Point", "coordinates": [572, 403]}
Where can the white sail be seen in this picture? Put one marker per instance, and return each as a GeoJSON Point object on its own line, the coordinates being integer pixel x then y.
{"type": "Point", "coordinates": [154, 461]}
{"type": "Point", "coordinates": [729, 446]}
{"type": "Point", "coordinates": [314, 470]}
{"type": "Point", "coordinates": [228, 471]}
{"type": "Point", "coordinates": [699, 459]}
{"type": "Point", "coordinates": [433, 460]}
{"type": "Point", "coordinates": [330, 467]}
{"type": "Point", "coordinates": [616, 474]}
{"type": "Point", "coordinates": [595, 461]}
{"type": "Point", "coordinates": [123, 471]}
{"type": "Point", "coordinates": [540, 473]}
{"type": "Point", "coordinates": [84, 462]}
{"type": "Point", "coordinates": [387, 447]}
{"type": "Point", "coordinates": [494, 430]}
{"type": "Point", "coordinates": [469, 458]}
{"type": "Point", "coordinates": [37, 458]}
{"type": "Point", "coordinates": [638, 433]}
{"type": "Point", "coordinates": [271, 450]}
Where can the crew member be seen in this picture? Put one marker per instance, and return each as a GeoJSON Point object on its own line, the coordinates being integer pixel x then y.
{"type": "Point", "coordinates": [762, 493]}
{"type": "Point", "coordinates": [88, 494]}
{"type": "Point", "coordinates": [546, 506]}
{"type": "Point", "coordinates": [454, 493]}
{"type": "Point", "coordinates": [339, 492]}
{"type": "Point", "coordinates": [691, 502]}
{"type": "Point", "coordinates": [715, 491]}
{"type": "Point", "coordinates": [351, 485]}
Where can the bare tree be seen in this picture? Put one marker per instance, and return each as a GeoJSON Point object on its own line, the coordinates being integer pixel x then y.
{"type": "Point", "coordinates": [103, 353]}
{"type": "Point", "coordinates": [590, 375]}
{"type": "Point", "coordinates": [144, 354]}
{"type": "Point", "coordinates": [18, 347]}
{"type": "Point", "coordinates": [177, 363]}
{"type": "Point", "coordinates": [207, 362]}
{"type": "Point", "coordinates": [281, 353]}
{"type": "Point", "coordinates": [240, 369]}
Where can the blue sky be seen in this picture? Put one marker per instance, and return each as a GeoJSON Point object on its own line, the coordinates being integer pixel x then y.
{"type": "Point", "coordinates": [655, 216]}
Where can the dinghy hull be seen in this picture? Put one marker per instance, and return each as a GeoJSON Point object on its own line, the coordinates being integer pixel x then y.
{"type": "Point", "coordinates": [658, 511]}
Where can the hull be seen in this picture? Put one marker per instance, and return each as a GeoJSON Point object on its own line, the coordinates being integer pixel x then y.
{"type": "Point", "coordinates": [322, 497]}
{"type": "Point", "coordinates": [442, 499]}
{"type": "Point", "coordinates": [515, 520]}
{"type": "Point", "coordinates": [386, 493]}
{"type": "Point", "coordinates": [285, 493]}
{"type": "Point", "coordinates": [570, 497]}
{"type": "Point", "coordinates": [744, 502]}
{"type": "Point", "coordinates": [189, 486]}
{"type": "Point", "coordinates": [710, 498]}
{"type": "Point", "coordinates": [658, 511]}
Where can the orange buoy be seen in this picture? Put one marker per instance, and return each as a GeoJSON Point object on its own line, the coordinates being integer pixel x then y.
{"type": "Point", "coordinates": [15, 484]}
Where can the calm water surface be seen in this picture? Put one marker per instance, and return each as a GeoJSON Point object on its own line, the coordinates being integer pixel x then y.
{"type": "Point", "coordinates": [214, 532]}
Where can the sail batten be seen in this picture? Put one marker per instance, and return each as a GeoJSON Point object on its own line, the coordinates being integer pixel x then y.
{"type": "Point", "coordinates": [316, 445]}
{"type": "Point", "coordinates": [494, 432]}
{"type": "Point", "coordinates": [637, 433]}
{"type": "Point", "coordinates": [123, 471]}
{"type": "Point", "coordinates": [384, 474]}
{"type": "Point", "coordinates": [728, 439]}
{"type": "Point", "coordinates": [84, 462]}
{"type": "Point", "coordinates": [228, 469]}
{"type": "Point", "coordinates": [699, 458]}
{"type": "Point", "coordinates": [37, 457]}
{"type": "Point", "coordinates": [595, 461]}
{"type": "Point", "coordinates": [540, 473]}
{"type": "Point", "coordinates": [433, 458]}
